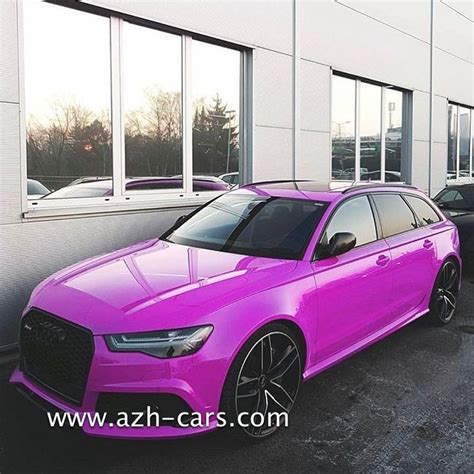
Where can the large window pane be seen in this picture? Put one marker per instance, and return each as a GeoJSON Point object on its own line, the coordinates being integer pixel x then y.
{"type": "Point", "coordinates": [452, 140]}
{"type": "Point", "coordinates": [394, 135]}
{"type": "Point", "coordinates": [370, 126]}
{"type": "Point", "coordinates": [67, 85]}
{"type": "Point", "coordinates": [464, 145]}
{"type": "Point", "coordinates": [216, 98]}
{"type": "Point", "coordinates": [152, 101]}
{"type": "Point", "coordinates": [343, 128]}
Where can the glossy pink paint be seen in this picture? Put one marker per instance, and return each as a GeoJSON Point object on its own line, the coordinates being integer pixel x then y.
{"type": "Point", "coordinates": [340, 305]}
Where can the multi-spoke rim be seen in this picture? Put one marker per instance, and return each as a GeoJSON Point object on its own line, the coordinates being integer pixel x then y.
{"type": "Point", "coordinates": [268, 380]}
{"type": "Point", "coordinates": [447, 291]}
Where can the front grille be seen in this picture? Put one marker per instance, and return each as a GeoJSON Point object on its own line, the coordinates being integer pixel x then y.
{"type": "Point", "coordinates": [56, 354]}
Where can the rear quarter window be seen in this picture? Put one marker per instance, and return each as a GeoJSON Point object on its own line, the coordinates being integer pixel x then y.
{"type": "Point", "coordinates": [425, 213]}
{"type": "Point", "coordinates": [395, 215]}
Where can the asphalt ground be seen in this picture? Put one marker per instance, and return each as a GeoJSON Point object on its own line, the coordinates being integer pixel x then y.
{"type": "Point", "coordinates": [402, 405]}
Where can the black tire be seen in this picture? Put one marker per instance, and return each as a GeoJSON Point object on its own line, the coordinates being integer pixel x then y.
{"type": "Point", "coordinates": [265, 376]}
{"type": "Point", "coordinates": [444, 298]}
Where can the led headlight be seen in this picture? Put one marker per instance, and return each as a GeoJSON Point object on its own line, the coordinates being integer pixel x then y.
{"type": "Point", "coordinates": [163, 344]}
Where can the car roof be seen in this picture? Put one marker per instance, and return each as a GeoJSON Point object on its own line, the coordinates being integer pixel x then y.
{"type": "Point", "coordinates": [317, 191]}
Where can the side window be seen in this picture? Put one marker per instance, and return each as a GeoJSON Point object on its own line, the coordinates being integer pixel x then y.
{"type": "Point", "coordinates": [353, 216]}
{"type": "Point", "coordinates": [425, 213]}
{"type": "Point", "coordinates": [395, 215]}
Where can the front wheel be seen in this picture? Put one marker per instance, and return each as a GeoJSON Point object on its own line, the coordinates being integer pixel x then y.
{"type": "Point", "coordinates": [445, 294]}
{"type": "Point", "coordinates": [263, 382]}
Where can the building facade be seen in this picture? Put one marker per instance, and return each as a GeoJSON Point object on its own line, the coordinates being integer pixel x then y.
{"type": "Point", "coordinates": [118, 116]}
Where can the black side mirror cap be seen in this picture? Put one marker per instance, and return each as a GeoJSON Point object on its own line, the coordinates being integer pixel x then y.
{"type": "Point", "coordinates": [341, 243]}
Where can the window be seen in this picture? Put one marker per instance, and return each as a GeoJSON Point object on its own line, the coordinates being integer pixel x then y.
{"type": "Point", "coordinates": [68, 95]}
{"type": "Point", "coordinates": [215, 110]}
{"type": "Point", "coordinates": [369, 135]}
{"type": "Point", "coordinates": [395, 216]}
{"type": "Point", "coordinates": [343, 128]}
{"type": "Point", "coordinates": [117, 111]}
{"type": "Point", "coordinates": [460, 144]}
{"type": "Point", "coordinates": [425, 213]}
{"type": "Point", "coordinates": [353, 216]}
{"type": "Point", "coordinates": [152, 100]}
{"type": "Point", "coordinates": [252, 225]}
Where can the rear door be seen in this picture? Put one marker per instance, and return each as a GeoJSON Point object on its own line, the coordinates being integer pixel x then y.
{"type": "Point", "coordinates": [352, 288]}
{"type": "Point", "coordinates": [412, 250]}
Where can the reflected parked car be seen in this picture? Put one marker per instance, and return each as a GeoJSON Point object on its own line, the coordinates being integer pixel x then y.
{"type": "Point", "coordinates": [35, 189]}
{"type": "Point", "coordinates": [235, 305]}
{"type": "Point", "coordinates": [232, 178]}
{"type": "Point", "coordinates": [99, 187]}
{"type": "Point", "coordinates": [457, 203]}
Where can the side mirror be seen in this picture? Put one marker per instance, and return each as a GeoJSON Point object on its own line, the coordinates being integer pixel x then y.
{"type": "Point", "coordinates": [180, 220]}
{"type": "Point", "coordinates": [340, 243]}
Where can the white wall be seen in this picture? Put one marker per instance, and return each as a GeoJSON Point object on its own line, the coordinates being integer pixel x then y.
{"type": "Point", "coordinates": [388, 41]}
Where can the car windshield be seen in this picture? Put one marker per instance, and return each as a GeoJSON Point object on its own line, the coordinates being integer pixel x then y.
{"type": "Point", "coordinates": [264, 226]}
{"type": "Point", "coordinates": [35, 187]}
{"type": "Point", "coordinates": [79, 191]}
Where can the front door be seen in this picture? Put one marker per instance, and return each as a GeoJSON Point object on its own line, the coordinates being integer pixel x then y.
{"type": "Point", "coordinates": [353, 289]}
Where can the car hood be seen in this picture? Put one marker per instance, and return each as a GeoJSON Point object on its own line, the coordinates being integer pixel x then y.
{"type": "Point", "coordinates": [155, 285]}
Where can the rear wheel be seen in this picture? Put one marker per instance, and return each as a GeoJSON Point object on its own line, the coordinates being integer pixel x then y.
{"type": "Point", "coordinates": [264, 378]}
{"type": "Point", "coordinates": [445, 293]}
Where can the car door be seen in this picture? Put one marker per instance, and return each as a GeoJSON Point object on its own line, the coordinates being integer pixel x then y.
{"type": "Point", "coordinates": [412, 250]}
{"type": "Point", "coordinates": [352, 288]}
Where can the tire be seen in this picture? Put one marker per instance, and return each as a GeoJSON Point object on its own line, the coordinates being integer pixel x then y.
{"type": "Point", "coordinates": [444, 298]}
{"type": "Point", "coordinates": [265, 385]}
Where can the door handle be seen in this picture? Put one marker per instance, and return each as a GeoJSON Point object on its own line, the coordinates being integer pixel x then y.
{"type": "Point", "coordinates": [382, 260]}
{"type": "Point", "coordinates": [427, 244]}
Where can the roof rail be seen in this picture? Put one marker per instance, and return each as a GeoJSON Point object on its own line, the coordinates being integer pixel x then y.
{"type": "Point", "coordinates": [276, 181]}
{"type": "Point", "coordinates": [356, 187]}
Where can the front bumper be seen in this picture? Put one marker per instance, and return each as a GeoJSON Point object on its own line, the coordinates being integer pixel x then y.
{"type": "Point", "coordinates": [196, 379]}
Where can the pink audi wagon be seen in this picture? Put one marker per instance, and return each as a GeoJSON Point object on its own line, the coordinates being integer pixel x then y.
{"type": "Point", "coordinates": [237, 304]}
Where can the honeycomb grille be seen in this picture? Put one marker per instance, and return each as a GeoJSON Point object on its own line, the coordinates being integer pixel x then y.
{"type": "Point", "coordinates": [56, 354]}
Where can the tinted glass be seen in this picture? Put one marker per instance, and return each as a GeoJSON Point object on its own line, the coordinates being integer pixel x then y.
{"type": "Point", "coordinates": [452, 140]}
{"type": "Point", "coordinates": [261, 226]}
{"type": "Point", "coordinates": [395, 216]}
{"type": "Point", "coordinates": [370, 127]}
{"type": "Point", "coordinates": [216, 99]}
{"type": "Point", "coordinates": [152, 99]}
{"type": "Point", "coordinates": [353, 216]}
{"type": "Point", "coordinates": [425, 213]}
{"type": "Point", "coordinates": [343, 128]}
{"type": "Point", "coordinates": [454, 199]}
{"type": "Point", "coordinates": [67, 87]}
{"type": "Point", "coordinates": [394, 135]}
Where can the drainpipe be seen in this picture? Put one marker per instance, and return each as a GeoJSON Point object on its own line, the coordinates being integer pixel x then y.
{"type": "Point", "coordinates": [430, 145]}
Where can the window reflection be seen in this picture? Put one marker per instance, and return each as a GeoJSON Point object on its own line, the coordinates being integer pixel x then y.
{"type": "Point", "coordinates": [370, 126]}
{"type": "Point", "coordinates": [393, 135]}
{"type": "Point", "coordinates": [452, 140]}
{"type": "Point", "coordinates": [343, 128]}
{"type": "Point", "coordinates": [152, 98]}
{"type": "Point", "coordinates": [68, 123]}
{"type": "Point", "coordinates": [464, 151]}
{"type": "Point", "coordinates": [216, 96]}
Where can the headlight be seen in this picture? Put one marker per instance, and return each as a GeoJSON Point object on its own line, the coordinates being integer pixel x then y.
{"type": "Point", "coordinates": [163, 344]}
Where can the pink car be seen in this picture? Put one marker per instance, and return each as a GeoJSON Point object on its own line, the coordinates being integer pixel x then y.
{"type": "Point", "coordinates": [243, 299]}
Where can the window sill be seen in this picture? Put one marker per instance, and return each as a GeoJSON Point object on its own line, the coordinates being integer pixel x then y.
{"type": "Point", "coordinates": [77, 211]}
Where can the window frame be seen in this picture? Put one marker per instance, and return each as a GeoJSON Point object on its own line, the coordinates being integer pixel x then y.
{"type": "Point", "coordinates": [407, 101]}
{"type": "Point", "coordinates": [121, 201]}
{"type": "Point", "coordinates": [461, 179]}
